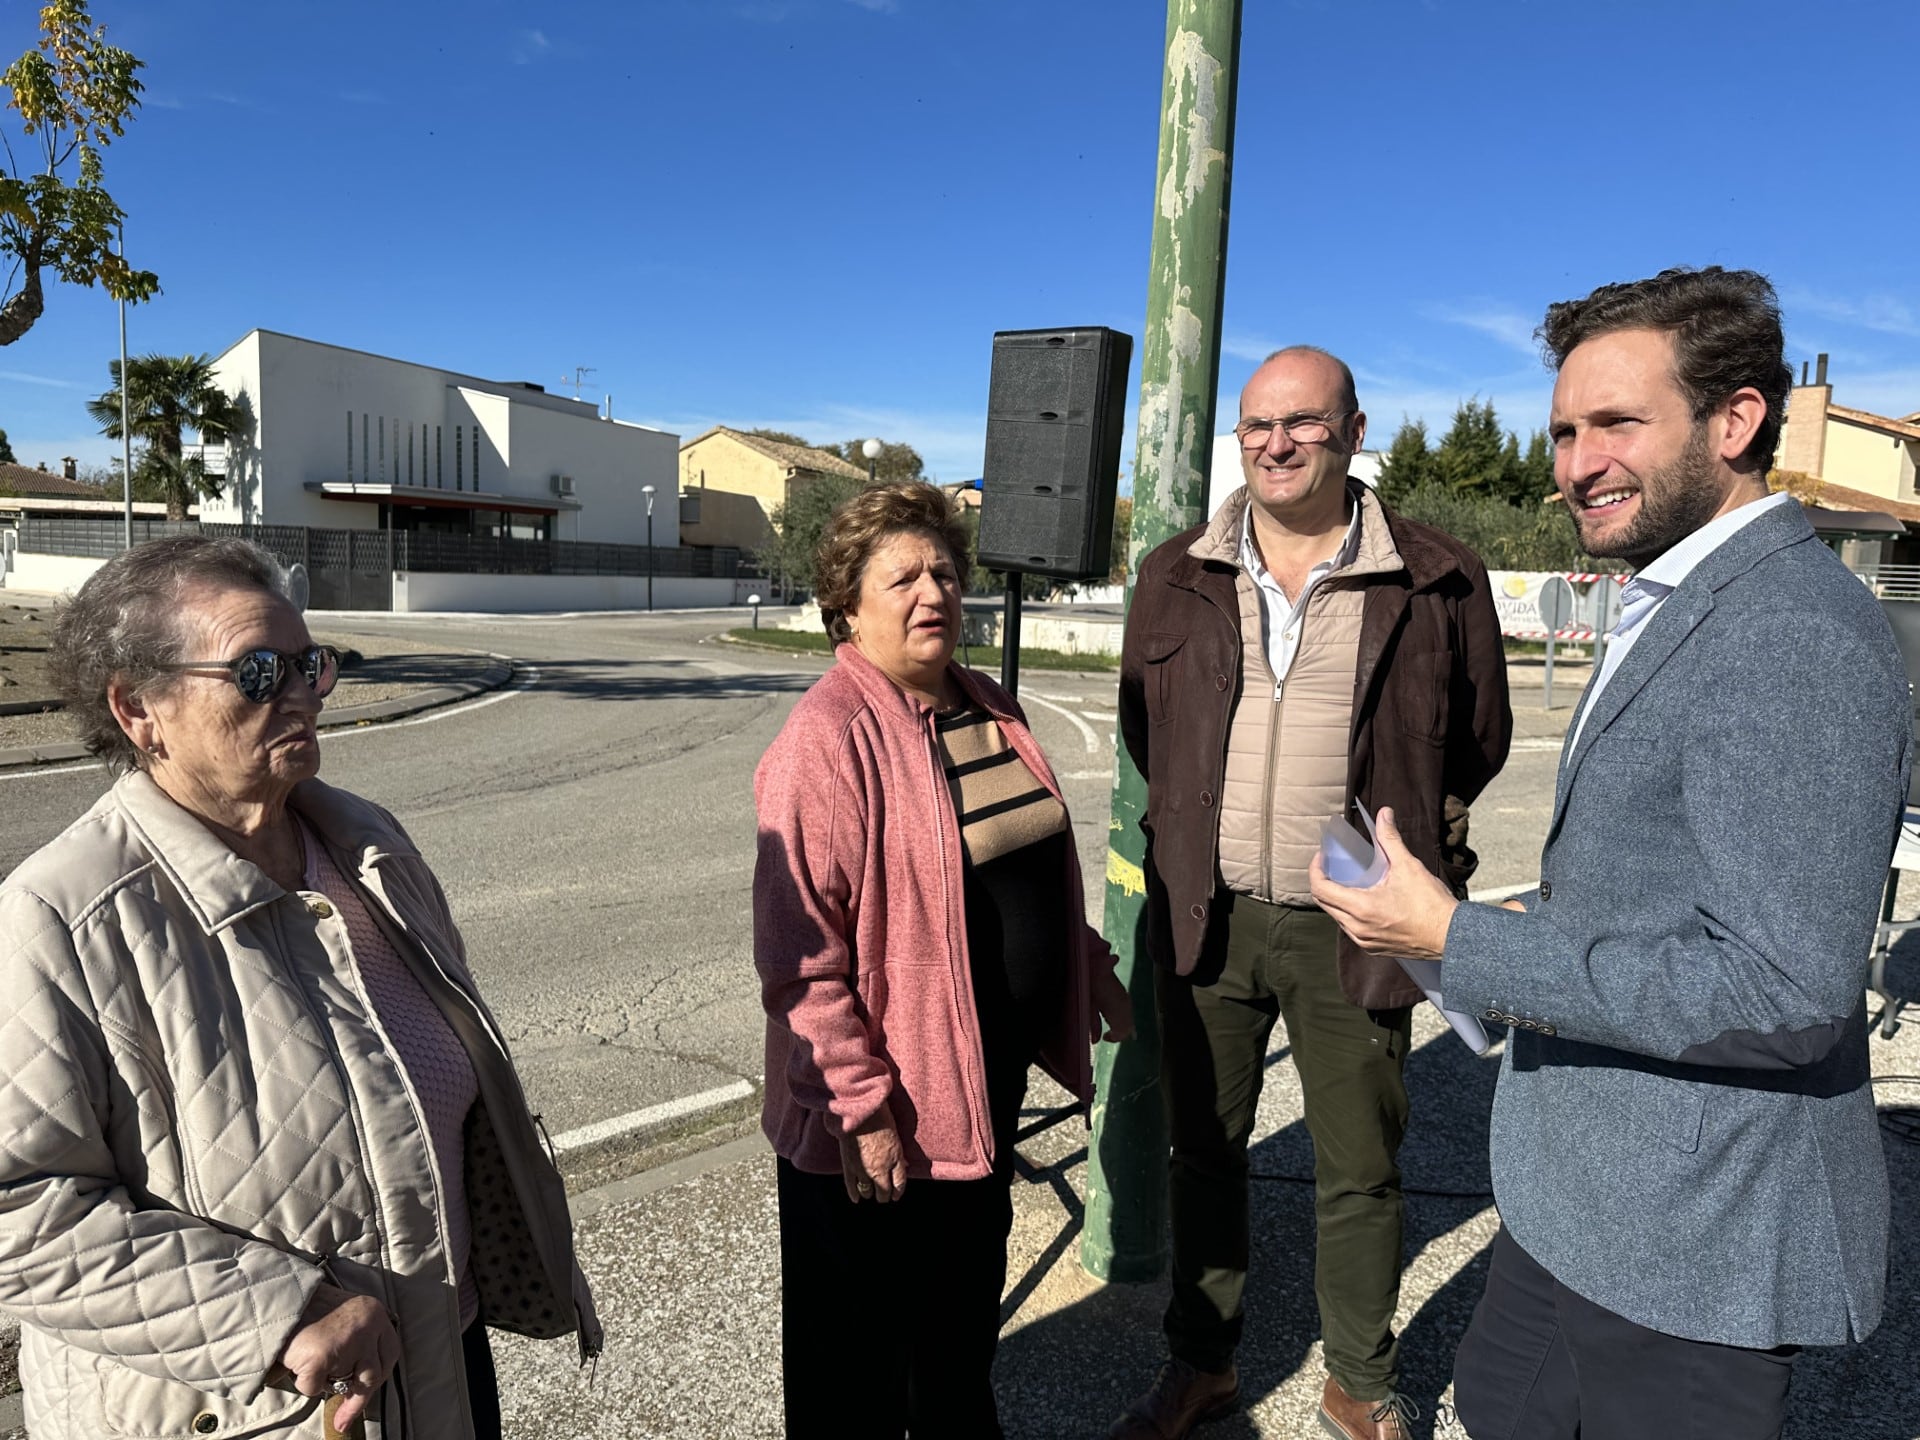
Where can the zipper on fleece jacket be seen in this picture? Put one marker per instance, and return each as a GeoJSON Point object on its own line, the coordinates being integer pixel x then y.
{"type": "Point", "coordinates": [1266, 793]}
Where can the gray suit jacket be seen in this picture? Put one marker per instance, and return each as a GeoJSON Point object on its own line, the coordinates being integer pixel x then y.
{"type": "Point", "coordinates": [1684, 1131]}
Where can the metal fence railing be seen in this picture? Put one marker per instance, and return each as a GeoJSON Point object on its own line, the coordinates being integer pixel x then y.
{"type": "Point", "coordinates": [98, 537]}
{"type": "Point", "coordinates": [479, 555]}
{"type": "Point", "coordinates": [1893, 582]}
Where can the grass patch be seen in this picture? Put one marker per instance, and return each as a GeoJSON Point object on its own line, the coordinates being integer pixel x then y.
{"type": "Point", "coordinates": [979, 657]}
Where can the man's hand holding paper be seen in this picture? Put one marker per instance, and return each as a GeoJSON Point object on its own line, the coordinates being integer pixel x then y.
{"type": "Point", "coordinates": [1405, 913]}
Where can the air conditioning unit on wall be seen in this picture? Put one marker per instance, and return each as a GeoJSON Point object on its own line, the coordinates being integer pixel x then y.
{"type": "Point", "coordinates": [563, 484]}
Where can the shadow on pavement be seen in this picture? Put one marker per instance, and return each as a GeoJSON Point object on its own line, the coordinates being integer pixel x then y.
{"type": "Point", "coordinates": [410, 669]}
{"type": "Point", "coordinates": [658, 680]}
{"type": "Point", "coordinates": [1079, 1366]}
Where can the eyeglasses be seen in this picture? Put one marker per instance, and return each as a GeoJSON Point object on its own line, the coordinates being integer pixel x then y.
{"type": "Point", "coordinates": [262, 674]}
{"type": "Point", "coordinates": [1305, 429]}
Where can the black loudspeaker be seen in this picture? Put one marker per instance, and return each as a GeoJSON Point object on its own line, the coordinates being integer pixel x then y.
{"type": "Point", "coordinates": [1055, 408]}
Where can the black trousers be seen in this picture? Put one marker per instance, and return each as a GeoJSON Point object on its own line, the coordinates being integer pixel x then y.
{"type": "Point", "coordinates": [1541, 1363]}
{"type": "Point", "coordinates": [483, 1386]}
{"type": "Point", "coordinates": [890, 1313]}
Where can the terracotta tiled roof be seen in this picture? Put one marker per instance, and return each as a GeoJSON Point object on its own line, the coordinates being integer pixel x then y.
{"type": "Point", "coordinates": [1830, 496]}
{"type": "Point", "coordinates": [794, 457]}
{"type": "Point", "coordinates": [1906, 429]}
{"type": "Point", "coordinates": [24, 480]}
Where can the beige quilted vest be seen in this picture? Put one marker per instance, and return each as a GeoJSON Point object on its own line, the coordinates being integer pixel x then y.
{"type": "Point", "coordinates": [1287, 754]}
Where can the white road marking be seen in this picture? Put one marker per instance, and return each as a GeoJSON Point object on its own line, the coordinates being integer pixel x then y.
{"type": "Point", "coordinates": [1536, 742]}
{"type": "Point", "coordinates": [1086, 730]}
{"type": "Point", "coordinates": [653, 1115]}
{"type": "Point", "coordinates": [518, 685]}
{"type": "Point", "coordinates": [37, 771]}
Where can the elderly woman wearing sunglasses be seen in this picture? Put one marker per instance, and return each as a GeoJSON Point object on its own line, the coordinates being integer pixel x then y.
{"type": "Point", "coordinates": [268, 1170]}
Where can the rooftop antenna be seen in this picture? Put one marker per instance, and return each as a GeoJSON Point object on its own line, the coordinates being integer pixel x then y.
{"type": "Point", "coordinates": [577, 378]}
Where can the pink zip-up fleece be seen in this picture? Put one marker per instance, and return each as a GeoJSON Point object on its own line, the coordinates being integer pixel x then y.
{"type": "Point", "coordinates": [859, 930]}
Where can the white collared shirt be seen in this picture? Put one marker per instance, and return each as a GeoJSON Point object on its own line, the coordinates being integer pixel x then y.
{"type": "Point", "coordinates": [1281, 619]}
{"type": "Point", "coordinates": [1643, 595]}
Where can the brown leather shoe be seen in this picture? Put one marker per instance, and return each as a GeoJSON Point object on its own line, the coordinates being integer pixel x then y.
{"type": "Point", "coordinates": [1181, 1398]}
{"type": "Point", "coordinates": [1346, 1418]}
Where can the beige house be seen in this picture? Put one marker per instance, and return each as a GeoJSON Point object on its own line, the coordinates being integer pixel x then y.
{"type": "Point", "coordinates": [732, 482]}
{"type": "Point", "coordinates": [1877, 454]}
{"type": "Point", "coordinates": [1853, 461]}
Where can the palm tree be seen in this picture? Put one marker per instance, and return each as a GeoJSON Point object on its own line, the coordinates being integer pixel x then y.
{"type": "Point", "coordinates": [167, 394]}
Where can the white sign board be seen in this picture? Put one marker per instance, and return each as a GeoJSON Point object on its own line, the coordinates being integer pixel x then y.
{"type": "Point", "coordinates": [1517, 596]}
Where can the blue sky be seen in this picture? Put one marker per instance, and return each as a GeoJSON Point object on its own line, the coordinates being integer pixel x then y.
{"type": "Point", "coordinates": [813, 214]}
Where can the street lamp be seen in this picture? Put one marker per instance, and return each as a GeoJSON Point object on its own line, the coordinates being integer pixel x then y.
{"type": "Point", "coordinates": [647, 490]}
{"type": "Point", "coordinates": [872, 451]}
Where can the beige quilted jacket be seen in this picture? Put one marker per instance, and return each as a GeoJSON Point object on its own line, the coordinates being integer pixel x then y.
{"type": "Point", "coordinates": [199, 1119]}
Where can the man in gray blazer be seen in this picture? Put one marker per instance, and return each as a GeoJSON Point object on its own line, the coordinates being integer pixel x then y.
{"type": "Point", "coordinates": [1685, 1154]}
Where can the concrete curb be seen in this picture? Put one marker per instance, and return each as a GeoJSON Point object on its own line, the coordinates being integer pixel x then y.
{"type": "Point", "coordinates": [497, 671]}
{"type": "Point", "coordinates": [28, 707]}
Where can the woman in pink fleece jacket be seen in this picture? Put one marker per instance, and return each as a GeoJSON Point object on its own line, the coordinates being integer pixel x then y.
{"type": "Point", "coordinates": [920, 936]}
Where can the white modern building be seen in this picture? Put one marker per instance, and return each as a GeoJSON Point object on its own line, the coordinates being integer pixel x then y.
{"type": "Point", "coordinates": [341, 439]}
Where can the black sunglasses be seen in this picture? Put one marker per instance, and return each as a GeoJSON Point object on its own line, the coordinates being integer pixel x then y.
{"type": "Point", "coordinates": [262, 674]}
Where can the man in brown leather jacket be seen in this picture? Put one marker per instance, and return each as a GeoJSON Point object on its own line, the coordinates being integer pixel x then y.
{"type": "Point", "coordinates": [1304, 650]}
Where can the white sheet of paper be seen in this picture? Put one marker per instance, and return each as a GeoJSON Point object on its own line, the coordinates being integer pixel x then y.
{"type": "Point", "coordinates": [1350, 859]}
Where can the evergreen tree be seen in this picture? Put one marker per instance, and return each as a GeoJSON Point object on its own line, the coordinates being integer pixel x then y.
{"type": "Point", "coordinates": [6, 451]}
{"type": "Point", "coordinates": [1536, 469]}
{"type": "Point", "coordinates": [1408, 464]}
{"type": "Point", "coordinates": [1471, 456]}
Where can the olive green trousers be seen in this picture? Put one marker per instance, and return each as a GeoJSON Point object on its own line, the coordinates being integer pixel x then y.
{"type": "Point", "coordinates": [1261, 963]}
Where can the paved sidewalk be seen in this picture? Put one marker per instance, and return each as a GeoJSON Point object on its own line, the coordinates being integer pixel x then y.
{"type": "Point", "coordinates": [685, 1262]}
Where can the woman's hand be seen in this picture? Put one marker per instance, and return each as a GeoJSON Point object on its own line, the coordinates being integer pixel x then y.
{"type": "Point", "coordinates": [872, 1162]}
{"type": "Point", "coordinates": [342, 1337]}
{"type": "Point", "coordinates": [1111, 1004]}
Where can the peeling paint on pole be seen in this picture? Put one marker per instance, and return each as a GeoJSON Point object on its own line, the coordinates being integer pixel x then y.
{"type": "Point", "coordinates": [1124, 1234]}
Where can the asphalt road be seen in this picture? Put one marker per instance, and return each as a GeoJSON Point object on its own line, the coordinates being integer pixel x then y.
{"type": "Point", "coordinates": [593, 826]}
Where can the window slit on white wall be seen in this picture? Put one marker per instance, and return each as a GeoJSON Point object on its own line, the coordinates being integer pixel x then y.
{"type": "Point", "coordinates": [380, 441]}
{"type": "Point", "coordinates": [439, 475]}
{"type": "Point", "coordinates": [366, 472]}
{"type": "Point", "coordinates": [349, 447]}
{"type": "Point", "coordinates": [476, 457]}
{"type": "Point", "coordinates": [409, 452]}
{"type": "Point", "coordinates": [459, 451]}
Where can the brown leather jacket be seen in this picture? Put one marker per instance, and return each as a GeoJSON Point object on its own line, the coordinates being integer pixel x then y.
{"type": "Point", "coordinates": [1431, 725]}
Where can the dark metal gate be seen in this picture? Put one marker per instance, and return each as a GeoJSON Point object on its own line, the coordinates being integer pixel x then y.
{"type": "Point", "coordinates": [350, 569]}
